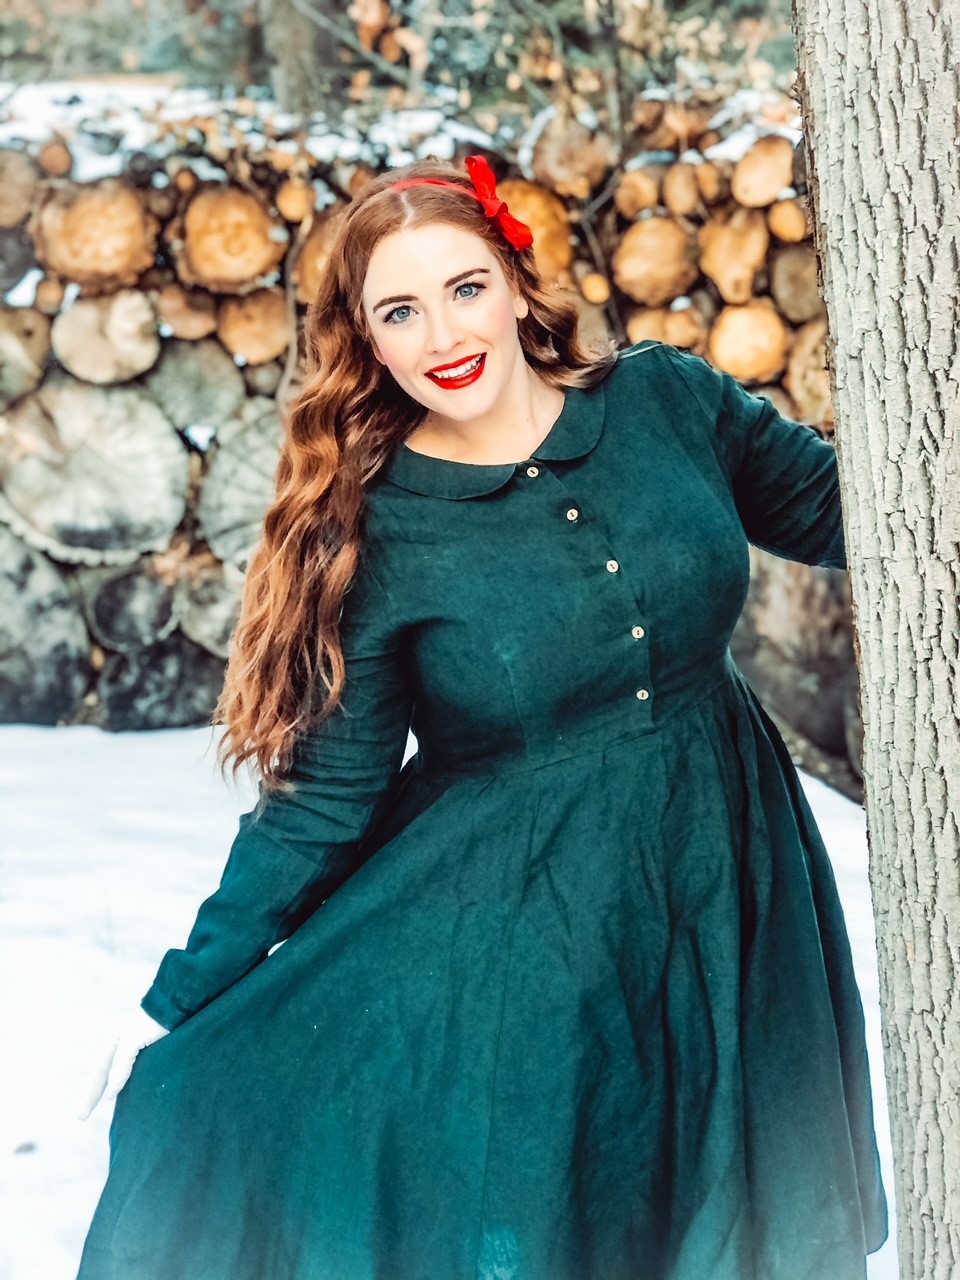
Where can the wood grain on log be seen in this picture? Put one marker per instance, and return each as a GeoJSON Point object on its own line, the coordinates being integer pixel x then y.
{"type": "Point", "coordinates": [186, 313]}
{"type": "Point", "coordinates": [794, 284]}
{"type": "Point", "coordinates": [240, 483]}
{"type": "Point", "coordinates": [546, 216]}
{"type": "Point", "coordinates": [55, 158]}
{"type": "Point", "coordinates": [91, 475]}
{"type": "Point", "coordinates": [789, 220]}
{"type": "Point", "coordinates": [732, 251]}
{"type": "Point", "coordinates": [681, 191]}
{"type": "Point", "coordinates": [172, 684]}
{"type": "Point", "coordinates": [196, 384]}
{"type": "Point", "coordinates": [295, 199]}
{"type": "Point", "coordinates": [807, 378]}
{"type": "Point", "coordinates": [569, 158]}
{"type": "Point", "coordinates": [256, 326]}
{"type": "Point", "coordinates": [750, 341]}
{"type": "Point", "coordinates": [44, 647]}
{"type": "Point", "coordinates": [49, 295]}
{"type": "Point", "coordinates": [227, 241]}
{"type": "Point", "coordinates": [307, 271]}
{"type": "Point", "coordinates": [18, 184]}
{"type": "Point", "coordinates": [127, 608]}
{"type": "Point", "coordinates": [763, 172]}
{"type": "Point", "coordinates": [108, 339]}
{"type": "Point", "coordinates": [207, 601]}
{"type": "Point", "coordinates": [24, 349]}
{"type": "Point", "coordinates": [638, 189]}
{"type": "Point", "coordinates": [100, 236]}
{"type": "Point", "coordinates": [656, 261]}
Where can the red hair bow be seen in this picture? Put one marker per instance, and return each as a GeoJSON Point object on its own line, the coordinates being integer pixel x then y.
{"type": "Point", "coordinates": [485, 190]}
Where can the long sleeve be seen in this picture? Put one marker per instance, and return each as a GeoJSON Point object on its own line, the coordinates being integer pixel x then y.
{"type": "Point", "coordinates": [292, 853]}
{"type": "Point", "coordinates": [783, 474]}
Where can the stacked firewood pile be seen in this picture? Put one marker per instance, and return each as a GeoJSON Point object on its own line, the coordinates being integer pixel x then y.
{"type": "Point", "coordinates": [143, 384]}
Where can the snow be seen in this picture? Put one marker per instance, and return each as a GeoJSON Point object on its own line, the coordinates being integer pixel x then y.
{"type": "Point", "coordinates": [110, 842]}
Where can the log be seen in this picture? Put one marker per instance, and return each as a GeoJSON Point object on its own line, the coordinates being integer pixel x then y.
{"type": "Point", "coordinates": [44, 648]}
{"type": "Point", "coordinates": [794, 640]}
{"type": "Point", "coordinates": [749, 341]}
{"type": "Point", "coordinates": [686, 123]}
{"type": "Point", "coordinates": [713, 181]}
{"type": "Point", "coordinates": [207, 602]}
{"type": "Point", "coordinates": [49, 295]}
{"type": "Point", "coordinates": [17, 256]}
{"type": "Point", "coordinates": [732, 251]}
{"type": "Point", "coordinates": [197, 385]}
{"type": "Point", "coordinates": [186, 313]}
{"type": "Point", "coordinates": [789, 220]}
{"type": "Point", "coordinates": [262, 379]}
{"type": "Point", "coordinates": [681, 190]}
{"type": "Point", "coordinates": [172, 684]}
{"type": "Point", "coordinates": [24, 350]}
{"type": "Point", "coordinates": [761, 175]}
{"type": "Point", "coordinates": [107, 339]}
{"type": "Point", "coordinates": [794, 283]}
{"type": "Point", "coordinates": [91, 475]}
{"type": "Point", "coordinates": [807, 378]}
{"type": "Point", "coordinates": [18, 185]}
{"type": "Point", "coordinates": [638, 189]}
{"type": "Point", "coordinates": [55, 158]}
{"type": "Point", "coordinates": [546, 216]}
{"type": "Point", "coordinates": [569, 158]}
{"type": "Point", "coordinates": [295, 199]}
{"type": "Point", "coordinates": [101, 236]}
{"type": "Point", "coordinates": [240, 483]}
{"type": "Point", "coordinates": [685, 327]}
{"type": "Point", "coordinates": [656, 261]}
{"type": "Point", "coordinates": [308, 270]}
{"type": "Point", "coordinates": [592, 326]}
{"type": "Point", "coordinates": [227, 241]}
{"type": "Point", "coordinates": [127, 608]}
{"type": "Point", "coordinates": [256, 327]}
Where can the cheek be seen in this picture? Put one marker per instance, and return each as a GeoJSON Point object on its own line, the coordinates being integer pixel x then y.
{"type": "Point", "coordinates": [391, 351]}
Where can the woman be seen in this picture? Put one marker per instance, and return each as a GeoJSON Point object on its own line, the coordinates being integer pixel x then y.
{"type": "Point", "coordinates": [568, 996]}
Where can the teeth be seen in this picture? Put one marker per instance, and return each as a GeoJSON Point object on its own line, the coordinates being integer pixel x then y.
{"type": "Point", "coordinates": [460, 369]}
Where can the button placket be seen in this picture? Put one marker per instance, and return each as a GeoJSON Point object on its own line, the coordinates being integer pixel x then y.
{"type": "Point", "coordinates": [573, 514]}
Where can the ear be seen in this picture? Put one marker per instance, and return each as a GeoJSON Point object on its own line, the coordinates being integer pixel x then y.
{"type": "Point", "coordinates": [521, 308]}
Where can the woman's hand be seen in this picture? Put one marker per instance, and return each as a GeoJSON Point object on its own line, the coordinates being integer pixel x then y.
{"type": "Point", "coordinates": [114, 1071]}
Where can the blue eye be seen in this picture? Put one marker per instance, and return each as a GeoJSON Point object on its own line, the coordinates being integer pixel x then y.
{"type": "Point", "coordinates": [392, 317]}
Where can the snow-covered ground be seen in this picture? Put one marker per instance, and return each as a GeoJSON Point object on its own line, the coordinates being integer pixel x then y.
{"type": "Point", "coordinates": [109, 842]}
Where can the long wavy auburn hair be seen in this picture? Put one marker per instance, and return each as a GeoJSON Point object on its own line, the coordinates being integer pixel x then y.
{"type": "Point", "coordinates": [286, 670]}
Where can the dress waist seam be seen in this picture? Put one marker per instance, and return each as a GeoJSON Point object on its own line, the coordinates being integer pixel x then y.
{"type": "Point", "coordinates": [532, 765]}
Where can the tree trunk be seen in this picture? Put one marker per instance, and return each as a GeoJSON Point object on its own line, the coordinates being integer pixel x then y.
{"type": "Point", "coordinates": [879, 96]}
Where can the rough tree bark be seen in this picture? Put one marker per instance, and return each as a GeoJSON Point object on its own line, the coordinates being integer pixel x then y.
{"type": "Point", "coordinates": [880, 88]}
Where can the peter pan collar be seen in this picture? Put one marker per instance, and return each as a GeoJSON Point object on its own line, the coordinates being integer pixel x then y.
{"type": "Point", "coordinates": [573, 434]}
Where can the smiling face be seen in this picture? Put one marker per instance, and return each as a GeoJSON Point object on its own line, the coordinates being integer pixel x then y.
{"type": "Point", "coordinates": [442, 318]}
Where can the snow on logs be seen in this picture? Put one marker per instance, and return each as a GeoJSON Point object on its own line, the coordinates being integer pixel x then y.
{"type": "Point", "coordinates": [143, 380]}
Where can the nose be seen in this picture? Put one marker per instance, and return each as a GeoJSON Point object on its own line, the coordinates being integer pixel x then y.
{"type": "Point", "coordinates": [443, 332]}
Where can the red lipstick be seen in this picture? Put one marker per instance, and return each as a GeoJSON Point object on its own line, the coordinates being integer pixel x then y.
{"type": "Point", "coordinates": [454, 384]}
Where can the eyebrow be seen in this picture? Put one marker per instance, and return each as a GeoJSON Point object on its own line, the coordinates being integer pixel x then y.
{"type": "Point", "coordinates": [447, 284]}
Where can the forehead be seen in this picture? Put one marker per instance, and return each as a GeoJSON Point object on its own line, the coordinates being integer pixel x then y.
{"type": "Point", "coordinates": [419, 258]}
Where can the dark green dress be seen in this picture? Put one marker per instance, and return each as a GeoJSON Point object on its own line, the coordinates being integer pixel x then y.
{"type": "Point", "coordinates": [570, 996]}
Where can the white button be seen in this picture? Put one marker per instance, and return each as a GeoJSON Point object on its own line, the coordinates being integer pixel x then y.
{"type": "Point", "coordinates": [533, 472]}
{"type": "Point", "coordinates": [573, 513]}
{"type": "Point", "coordinates": [638, 633]}
{"type": "Point", "coordinates": [612, 566]}
{"type": "Point", "coordinates": [643, 695]}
